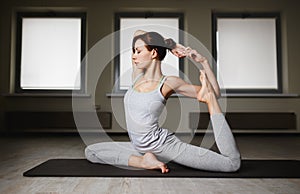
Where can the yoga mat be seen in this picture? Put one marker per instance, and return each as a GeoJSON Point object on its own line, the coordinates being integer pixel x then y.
{"type": "Point", "coordinates": [84, 168]}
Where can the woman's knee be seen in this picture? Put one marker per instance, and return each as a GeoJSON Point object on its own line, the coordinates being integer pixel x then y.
{"type": "Point", "coordinates": [235, 164]}
{"type": "Point", "coordinates": [89, 153]}
{"type": "Point", "coordinates": [231, 165]}
{"type": "Point", "coordinates": [92, 152]}
{"type": "Point", "coordinates": [99, 152]}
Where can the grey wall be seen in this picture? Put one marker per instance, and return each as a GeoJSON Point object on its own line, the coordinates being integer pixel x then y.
{"type": "Point", "coordinates": [100, 23]}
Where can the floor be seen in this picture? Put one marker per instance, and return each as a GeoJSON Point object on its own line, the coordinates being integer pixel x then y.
{"type": "Point", "coordinates": [22, 152]}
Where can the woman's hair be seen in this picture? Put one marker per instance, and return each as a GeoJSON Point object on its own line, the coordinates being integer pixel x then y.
{"type": "Point", "coordinates": [154, 40]}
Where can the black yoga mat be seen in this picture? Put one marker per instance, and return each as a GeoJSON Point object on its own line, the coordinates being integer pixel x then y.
{"type": "Point", "coordinates": [83, 168]}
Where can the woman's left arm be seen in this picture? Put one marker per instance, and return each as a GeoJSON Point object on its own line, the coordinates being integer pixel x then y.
{"type": "Point", "coordinates": [178, 85]}
{"type": "Point", "coordinates": [194, 55]}
{"type": "Point", "coordinates": [181, 51]}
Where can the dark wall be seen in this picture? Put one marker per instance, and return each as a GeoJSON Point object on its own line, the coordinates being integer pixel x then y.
{"type": "Point", "coordinates": [100, 23]}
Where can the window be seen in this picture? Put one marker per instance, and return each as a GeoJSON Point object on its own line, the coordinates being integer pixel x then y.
{"type": "Point", "coordinates": [50, 47]}
{"type": "Point", "coordinates": [168, 25]}
{"type": "Point", "coordinates": [247, 48]}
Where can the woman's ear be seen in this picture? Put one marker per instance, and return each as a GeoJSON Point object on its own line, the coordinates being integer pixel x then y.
{"type": "Point", "coordinates": [154, 53]}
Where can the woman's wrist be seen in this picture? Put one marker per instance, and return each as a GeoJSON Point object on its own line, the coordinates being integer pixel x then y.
{"type": "Point", "coordinates": [205, 64]}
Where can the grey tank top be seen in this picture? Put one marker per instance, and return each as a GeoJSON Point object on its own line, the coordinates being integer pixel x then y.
{"type": "Point", "coordinates": [142, 111]}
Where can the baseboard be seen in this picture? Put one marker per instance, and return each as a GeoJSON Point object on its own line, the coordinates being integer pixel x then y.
{"type": "Point", "coordinates": [55, 121]}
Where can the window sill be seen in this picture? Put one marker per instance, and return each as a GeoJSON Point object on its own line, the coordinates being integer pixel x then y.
{"type": "Point", "coordinates": [121, 95]}
{"type": "Point", "coordinates": [258, 95]}
{"type": "Point", "coordinates": [58, 95]}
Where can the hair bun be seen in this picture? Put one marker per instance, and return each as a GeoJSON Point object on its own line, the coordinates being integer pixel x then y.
{"type": "Point", "coordinates": [170, 43]}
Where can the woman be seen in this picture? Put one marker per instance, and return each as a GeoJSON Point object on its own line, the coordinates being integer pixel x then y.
{"type": "Point", "coordinates": [150, 144]}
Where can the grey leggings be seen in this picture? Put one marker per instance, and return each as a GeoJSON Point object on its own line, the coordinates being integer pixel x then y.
{"type": "Point", "coordinates": [118, 153]}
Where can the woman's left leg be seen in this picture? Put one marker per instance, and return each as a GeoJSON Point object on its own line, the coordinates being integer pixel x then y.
{"type": "Point", "coordinates": [114, 153]}
{"type": "Point", "coordinates": [122, 154]}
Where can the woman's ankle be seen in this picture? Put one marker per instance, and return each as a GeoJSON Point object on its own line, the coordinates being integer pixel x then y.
{"type": "Point", "coordinates": [213, 104]}
{"type": "Point", "coordinates": [135, 161]}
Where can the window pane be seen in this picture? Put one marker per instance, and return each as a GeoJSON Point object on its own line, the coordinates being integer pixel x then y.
{"type": "Point", "coordinates": [50, 53]}
{"type": "Point", "coordinates": [246, 50]}
{"type": "Point", "coordinates": [167, 27]}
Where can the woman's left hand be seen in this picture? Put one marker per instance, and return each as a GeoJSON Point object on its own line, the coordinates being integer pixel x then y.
{"type": "Point", "coordinates": [179, 51]}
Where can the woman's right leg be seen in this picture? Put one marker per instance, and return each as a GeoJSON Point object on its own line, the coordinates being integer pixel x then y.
{"type": "Point", "coordinates": [222, 132]}
{"type": "Point", "coordinates": [228, 160]}
{"type": "Point", "coordinates": [196, 157]}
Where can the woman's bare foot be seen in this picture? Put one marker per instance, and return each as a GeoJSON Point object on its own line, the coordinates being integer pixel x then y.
{"type": "Point", "coordinates": [150, 162]}
{"type": "Point", "coordinates": [206, 92]}
{"type": "Point", "coordinates": [207, 95]}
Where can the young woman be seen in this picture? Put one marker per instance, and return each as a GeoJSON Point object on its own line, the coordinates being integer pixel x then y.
{"type": "Point", "coordinates": [150, 144]}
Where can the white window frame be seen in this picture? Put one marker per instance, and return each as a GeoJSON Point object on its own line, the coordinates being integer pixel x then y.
{"type": "Point", "coordinates": [122, 67]}
{"type": "Point", "coordinates": [249, 58]}
{"type": "Point", "coordinates": [79, 69]}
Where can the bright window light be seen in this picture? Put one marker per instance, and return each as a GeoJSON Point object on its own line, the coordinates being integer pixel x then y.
{"type": "Point", "coordinates": [247, 53]}
{"type": "Point", "coordinates": [51, 54]}
{"type": "Point", "coordinates": [247, 48]}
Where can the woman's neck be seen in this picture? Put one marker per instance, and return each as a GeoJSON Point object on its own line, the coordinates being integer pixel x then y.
{"type": "Point", "coordinates": [153, 72]}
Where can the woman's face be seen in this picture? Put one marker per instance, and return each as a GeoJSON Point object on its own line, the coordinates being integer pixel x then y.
{"type": "Point", "coordinates": [141, 56]}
